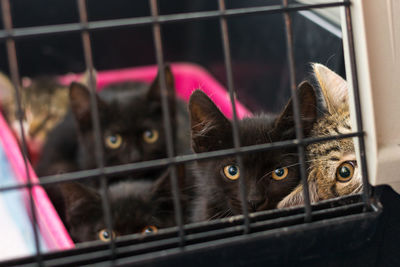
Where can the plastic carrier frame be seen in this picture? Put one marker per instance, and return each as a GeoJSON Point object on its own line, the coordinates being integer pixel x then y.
{"type": "Point", "coordinates": [264, 237]}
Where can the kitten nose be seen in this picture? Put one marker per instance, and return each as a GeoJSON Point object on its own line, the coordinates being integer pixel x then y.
{"type": "Point", "coordinates": [255, 197]}
{"type": "Point", "coordinates": [255, 203]}
{"type": "Point", "coordinates": [134, 156]}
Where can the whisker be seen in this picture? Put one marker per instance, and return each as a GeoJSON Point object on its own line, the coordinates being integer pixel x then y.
{"type": "Point", "coordinates": [220, 214]}
{"type": "Point", "coordinates": [358, 189]}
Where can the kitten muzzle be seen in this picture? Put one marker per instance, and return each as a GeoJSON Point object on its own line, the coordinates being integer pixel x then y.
{"type": "Point", "coordinates": [134, 156]}
{"type": "Point", "coordinates": [257, 204]}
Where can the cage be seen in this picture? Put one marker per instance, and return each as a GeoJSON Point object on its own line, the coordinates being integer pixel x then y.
{"type": "Point", "coordinates": [245, 46]}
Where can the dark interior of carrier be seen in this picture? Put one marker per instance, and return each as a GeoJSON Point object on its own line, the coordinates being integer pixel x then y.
{"type": "Point", "coordinates": [341, 232]}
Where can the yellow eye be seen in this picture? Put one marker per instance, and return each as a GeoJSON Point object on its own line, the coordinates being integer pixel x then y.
{"type": "Point", "coordinates": [113, 141]}
{"type": "Point", "coordinates": [150, 136]}
{"type": "Point", "coordinates": [150, 229]}
{"type": "Point", "coordinates": [105, 235]}
{"type": "Point", "coordinates": [232, 172]}
{"type": "Point", "coordinates": [345, 172]}
{"type": "Point", "coordinates": [280, 173]}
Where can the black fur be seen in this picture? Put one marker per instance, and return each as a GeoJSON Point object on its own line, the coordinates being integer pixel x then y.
{"type": "Point", "coordinates": [134, 205]}
{"type": "Point", "coordinates": [217, 196]}
{"type": "Point", "coordinates": [136, 199]}
{"type": "Point", "coordinates": [126, 109]}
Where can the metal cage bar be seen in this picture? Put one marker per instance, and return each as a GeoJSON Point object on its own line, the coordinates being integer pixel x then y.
{"type": "Point", "coordinates": [120, 169]}
{"type": "Point", "coordinates": [96, 123]}
{"type": "Point", "coordinates": [102, 172]}
{"type": "Point", "coordinates": [123, 23]}
{"type": "Point", "coordinates": [235, 127]}
{"type": "Point", "coordinates": [296, 111]}
{"type": "Point", "coordinates": [13, 66]}
{"type": "Point", "coordinates": [167, 121]}
{"type": "Point", "coordinates": [364, 171]}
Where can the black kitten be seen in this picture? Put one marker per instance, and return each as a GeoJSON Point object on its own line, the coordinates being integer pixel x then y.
{"type": "Point", "coordinates": [269, 176]}
{"type": "Point", "coordinates": [136, 207]}
{"type": "Point", "coordinates": [131, 125]}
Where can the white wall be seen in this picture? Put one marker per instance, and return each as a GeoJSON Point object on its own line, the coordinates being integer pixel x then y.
{"type": "Point", "coordinates": [376, 28]}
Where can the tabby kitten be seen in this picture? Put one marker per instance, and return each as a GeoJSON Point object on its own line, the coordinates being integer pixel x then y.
{"type": "Point", "coordinates": [269, 175]}
{"type": "Point", "coordinates": [44, 102]}
{"type": "Point", "coordinates": [131, 126]}
{"type": "Point", "coordinates": [135, 206]}
{"type": "Point", "coordinates": [333, 170]}
{"type": "Point", "coordinates": [7, 97]}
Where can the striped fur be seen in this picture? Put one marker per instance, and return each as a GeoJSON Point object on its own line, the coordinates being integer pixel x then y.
{"type": "Point", "coordinates": [324, 158]}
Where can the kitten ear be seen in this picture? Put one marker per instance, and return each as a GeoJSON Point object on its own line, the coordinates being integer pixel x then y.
{"type": "Point", "coordinates": [154, 92]}
{"type": "Point", "coordinates": [85, 79]}
{"type": "Point", "coordinates": [6, 88]}
{"type": "Point", "coordinates": [79, 96]}
{"type": "Point", "coordinates": [296, 197]}
{"type": "Point", "coordinates": [75, 193]}
{"type": "Point", "coordinates": [208, 124]}
{"type": "Point", "coordinates": [7, 102]}
{"type": "Point", "coordinates": [162, 186]}
{"type": "Point", "coordinates": [333, 87]}
{"type": "Point", "coordinates": [308, 109]}
{"type": "Point", "coordinates": [77, 200]}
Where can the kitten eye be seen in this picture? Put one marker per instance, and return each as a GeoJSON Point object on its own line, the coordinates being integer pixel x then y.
{"type": "Point", "coordinates": [150, 136]}
{"type": "Point", "coordinates": [280, 173]}
{"type": "Point", "coordinates": [232, 172]}
{"type": "Point", "coordinates": [345, 172]}
{"type": "Point", "coordinates": [150, 229]}
{"type": "Point", "coordinates": [105, 235]}
{"type": "Point", "coordinates": [113, 141]}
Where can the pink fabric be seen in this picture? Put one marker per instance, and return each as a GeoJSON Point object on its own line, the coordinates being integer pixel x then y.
{"type": "Point", "coordinates": [51, 228]}
{"type": "Point", "coordinates": [188, 77]}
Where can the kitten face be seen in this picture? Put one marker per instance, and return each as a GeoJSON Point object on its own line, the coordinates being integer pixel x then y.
{"type": "Point", "coordinates": [333, 170]}
{"type": "Point", "coordinates": [264, 187]}
{"type": "Point", "coordinates": [130, 120]}
{"type": "Point", "coordinates": [45, 102]}
{"type": "Point", "coordinates": [333, 166]}
{"type": "Point", "coordinates": [269, 175]}
{"type": "Point", "coordinates": [136, 207]}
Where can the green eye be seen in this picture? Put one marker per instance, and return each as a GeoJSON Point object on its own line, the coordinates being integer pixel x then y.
{"type": "Point", "coordinates": [113, 141]}
{"type": "Point", "coordinates": [345, 172]}
{"type": "Point", "coordinates": [150, 136]}
{"type": "Point", "coordinates": [232, 172]}
{"type": "Point", "coordinates": [105, 235]}
{"type": "Point", "coordinates": [280, 173]}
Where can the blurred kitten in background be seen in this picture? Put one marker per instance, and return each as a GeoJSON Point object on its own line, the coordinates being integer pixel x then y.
{"type": "Point", "coordinates": [44, 103]}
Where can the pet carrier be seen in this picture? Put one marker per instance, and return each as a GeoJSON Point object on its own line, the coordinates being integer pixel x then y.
{"type": "Point", "coordinates": [253, 48]}
{"type": "Point", "coordinates": [15, 173]}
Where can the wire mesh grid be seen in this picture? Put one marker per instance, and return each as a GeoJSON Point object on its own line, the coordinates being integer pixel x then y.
{"type": "Point", "coordinates": [176, 239]}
